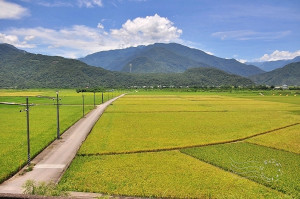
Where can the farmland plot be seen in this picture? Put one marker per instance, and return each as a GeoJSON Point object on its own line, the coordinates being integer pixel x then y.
{"type": "Point", "coordinates": [277, 169]}
{"type": "Point", "coordinates": [286, 139]}
{"type": "Point", "coordinates": [133, 149]}
{"type": "Point", "coordinates": [136, 123]}
{"type": "Point", "coordinates": [163, 174]}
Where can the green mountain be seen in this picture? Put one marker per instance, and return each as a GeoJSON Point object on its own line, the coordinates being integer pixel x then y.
{"type": "Point", "coordinates": [7, 50]}
{"type": "Point", "coordinates": [272, 65]}
{"type": "Point", "coordinates": [160, 60]}
{"type": "Point", "coordinates": [289, 75]}
{"type": "Point", "coordinates": [112, 59]}
{"type": "Point", "coordinates": [19, 69]}
{"type": "Point", "coordinates": [26, 70]}
{"type": "Point", "coordinates": [165, 58]}
{"type": "Point", "coordinates": [228, 65]}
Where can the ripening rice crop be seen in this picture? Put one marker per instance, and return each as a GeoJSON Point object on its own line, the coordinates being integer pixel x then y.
{"type": "Point", "coordinates": [274, 168]}
{"type": "Point", "coordinates": [162, 174]}
{"type": "Point", "coordinates": [287, 139]}
{"type": "Point", "coordinates": [138, 123]}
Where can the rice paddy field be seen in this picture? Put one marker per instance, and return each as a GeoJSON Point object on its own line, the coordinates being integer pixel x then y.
{"type": "Point", "coordinates": [193, 145]}
{"type": "Point", "coordinates": [42, 118]}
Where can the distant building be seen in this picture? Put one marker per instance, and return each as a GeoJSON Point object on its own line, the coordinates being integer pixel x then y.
{"type": "Point", "coordinates": [284, 86]}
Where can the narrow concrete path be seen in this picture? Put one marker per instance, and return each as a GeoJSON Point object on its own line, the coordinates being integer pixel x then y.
{"type": "Point", "coordinates": [55, 159]}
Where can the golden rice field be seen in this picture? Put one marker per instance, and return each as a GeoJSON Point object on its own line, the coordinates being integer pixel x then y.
{"type": "Point", "coordinates": [286, 139]}
{"type": "Point", "coordinates": [149, 145]}
{"type": "Point", "coordinates": [144, 123]}
{"type": "Point", "coordinates": [162, 174]}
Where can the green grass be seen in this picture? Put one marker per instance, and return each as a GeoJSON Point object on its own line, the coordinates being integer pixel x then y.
{"type": "Point", "coordinates": [46, 97]}
{"type": "Point", "coordinates": [274, 168]}
{"type": "Point", "coordinates": [163, 174]}
{"type": "Point", "coordinates": [13, 136]}
{"type": "Point", "coordinates": [13, 144]}
{"type": "Point", "coordinates": [136, 123]}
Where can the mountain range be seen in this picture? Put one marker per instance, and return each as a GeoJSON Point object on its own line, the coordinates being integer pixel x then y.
{"type": "Point", "coordinates": [20, 69]}
{"type": "Point", "coordinates": [272, 65]}
{"type": "Point", "coordinates": [289, 75]}
{"type": "Point", "coordinates": [165, 58]}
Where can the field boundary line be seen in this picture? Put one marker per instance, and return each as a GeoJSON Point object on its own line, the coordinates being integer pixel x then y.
{"type": "Point", "coordinates": [271, 147]}
{"type": "Point", "coordinates": [190, 146]}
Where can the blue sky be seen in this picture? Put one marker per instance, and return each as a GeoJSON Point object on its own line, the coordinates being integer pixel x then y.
{"type": "Point", "coordinates": [256, 30]}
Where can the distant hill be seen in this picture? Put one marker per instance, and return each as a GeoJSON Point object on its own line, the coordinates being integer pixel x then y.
{"type": "Point", "coordinates": [272, 65]}
{"type": "Point", "coordinates": [165, 58]}
{"type": "Point", "coordinates": [193, 77]}
{"type": "Point", "coordinates": [19, 69]}
{"type": "Point", "coordinates": [289, 75]}
{"type": "Point", "coordinates": [26, 70]}
{"type": "Point", "coordinates": [9, 50]}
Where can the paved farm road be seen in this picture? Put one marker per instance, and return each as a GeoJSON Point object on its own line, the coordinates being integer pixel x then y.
{"type": "Point", "coordinates": [55, 159]}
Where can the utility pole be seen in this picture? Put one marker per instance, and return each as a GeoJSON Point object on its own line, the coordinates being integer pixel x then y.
{"type": "Point", "coordinates": [82, 105]}
{"type": "Point", "coordinates": [94, 99]}
{"type": "Point", "coordinates": [130, 66]}
{"type": "Point", "coordinates": [28, 137]}
{"type": "Point", "coordinates": [57, 111]}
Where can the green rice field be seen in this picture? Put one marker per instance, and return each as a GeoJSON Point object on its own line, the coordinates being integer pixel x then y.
{"type": "Point", "coordinates": [193, 145]}
{"type": "Point", "coordinates": [42, 117]}
{"type": "Point", "coordinates": [274, 168]}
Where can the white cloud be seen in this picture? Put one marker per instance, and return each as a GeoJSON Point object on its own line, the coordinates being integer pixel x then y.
{"type": "Point", "coordinates": [14, 40]}
{"type": "Point", "coordinates": [195, 45]}
{"type": "Point", "coordinates": [208, 52]}
{"type": "Point", "coordinates": [143, 31]}
{"type": "Point", "coordinates": [279, 55]}
{"type": "Point", "coordinates": [54, 3]}
{"type": "Point", "coordinates": [29, 37]}
{"type": "Point", "coordinates": [100, 26]}
{"type": "Point", "coordinates": [69, 3]}
{"type": "Point", "coordinates": [242, 60]}
{"type": "Point", "coordinates": [90, 3]}
{"type": "Point", "coordinates": [80, 40]}
{"type": "Point", "coordinates": [249, 35]}
{"type": "Point", "coordinates": [12, 10]}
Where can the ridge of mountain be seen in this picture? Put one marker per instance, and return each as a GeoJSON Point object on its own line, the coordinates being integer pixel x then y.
{"type": "Point", "coordinates": [176, 58]}
{"type": "Point", "coordinates": [272, 65]}
{"type": "Point", "coordinates": [289, 75]}
{"type": "Point", "coordinates": [20, 69]}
